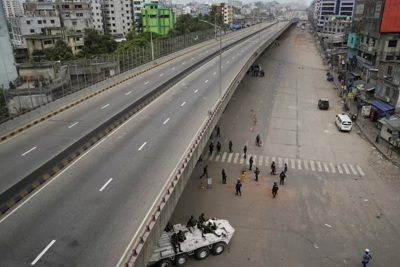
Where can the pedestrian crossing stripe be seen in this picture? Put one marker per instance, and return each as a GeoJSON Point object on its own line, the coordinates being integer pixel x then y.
{"type": "Point", "coordinates": [261, 160]}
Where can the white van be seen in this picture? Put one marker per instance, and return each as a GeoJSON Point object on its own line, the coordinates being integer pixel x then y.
{"type": "Point", "coordinates": [343, 122]}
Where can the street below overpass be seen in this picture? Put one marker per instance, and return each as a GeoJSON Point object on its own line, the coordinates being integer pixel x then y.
{"type": "Point", "coordinates": [340, 197]}
{"type": "Point", "coordinates": [87, 214]}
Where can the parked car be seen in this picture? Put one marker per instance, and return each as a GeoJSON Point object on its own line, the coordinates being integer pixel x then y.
{"type": "Point", "coordinates": [323, 103]}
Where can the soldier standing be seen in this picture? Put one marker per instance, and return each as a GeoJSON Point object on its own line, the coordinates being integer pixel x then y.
{"type": "Point", "coordinates": [211, 146]}
{"type": "Point", "coordinates": [224, 176]}
{"type": "Point", "coordinates": [218, 148]}
{"type": "Point", "coordinates": [245, 151]}
{"type": "Point", "coordinates": [257, 172]}
{"type": "Point", "coordinates": [218, 132]}
{"type": "Point", "coordinates": [273, 168]}
{"type": "Point", "coordinates": [205, 172]}
{"type": "Point", "coordinates": [275, 189]}
{"type": "Point", "coordinates": [286, 168]}
{"type": "Point", "coordinates": [230, 147]}
{"type": "Point", "coordinates": [282, 176]}
{"type": "Point", "coordinates": [251, 162]}
{"type": "Point", "coordinates": [238, 187]}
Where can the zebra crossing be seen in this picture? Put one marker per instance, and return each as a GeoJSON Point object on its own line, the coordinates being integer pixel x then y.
{"type": "Point", "coordinates": [308, 165]}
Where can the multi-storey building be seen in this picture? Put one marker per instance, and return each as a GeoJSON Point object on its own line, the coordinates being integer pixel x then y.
{"type": "Point", "coordinates": [226, 11]}
{"type": "Point", "coordinates": [8, 71]}
{"type": "Point", "coordinates": [158, 20]}
{"type": "Point", "coordinates": [334, 7]}
{"type": "Point", "coordinates": [137, 12]}
{"type": "Point", "coordinates": [75, 16]}
{"type": "Point", "coordinates": [97, 15]}
{"type": "Point", "coordinates": [38, 15]}
{"type": "Point", "coordinates": [12, 8]}
{"type": "Point", "coordinates": [389, 82]}
{"type": "Point", "coordinates": [118, 17]}
{"type": "Point", "coordinates": [336, 24]}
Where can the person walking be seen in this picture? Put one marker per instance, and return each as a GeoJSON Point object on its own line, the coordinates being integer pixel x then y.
{"type": "Point", "coordinates": [238, 187]}
{"type": "Point", "coordinates": [257, 172]}
{"type": "Point", "coordinates": [286, 168]}
{"type": "Point", "coordinates": [282, 176]}
{"type": "Point", "coordinates": [205, 172]}
{"type": "Point", "coordinates": [275, 189]}
{"type": "Point", "coordinates": [218, 132]}
{"type": "Point", "coordinates": [211, 146]}
{"type": "Point", "coordinates": [244, 176]}
{"type": "Point", "coordinates": [258, 140]}
{"type": "Point", "coordinates": [366, 257]}
{"type": "Point", "coordinates": [273, 167]}
{"type": "Point", "coordinates": [251, 162]}
{"type": "Point", "coordinates": [245, 151]}
{"type": "Point", "coordinates": [224, 176]}
{"type": "Point", "coordinates": [230, 146]}
{"type": "Point", "coordinates": [218, 148]}
{"type": "Point", "coordinates": [377, 139]}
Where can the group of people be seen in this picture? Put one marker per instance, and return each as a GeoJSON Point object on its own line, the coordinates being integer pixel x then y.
{"type": "Point", "coordinates": [256, 71]}
{"type": "Point", "coordinates": [282, 177]}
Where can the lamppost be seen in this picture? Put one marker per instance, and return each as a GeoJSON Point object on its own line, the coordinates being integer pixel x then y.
{"type": "Point", "coordinates": [220, 53]}
{"type": "Point", "coordinates": [151, 43]}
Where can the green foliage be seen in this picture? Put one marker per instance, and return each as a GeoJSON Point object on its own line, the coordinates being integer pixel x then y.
{"type": "Point", "coordinates": [60, 51]}
{"type": "Point", "coordinates": [215, 17]}
{"type": "Point", "coordinates": [3, 106]}
{"type": "Point", "coordinates": [137, 40]}
{"type": "Point", "coordinates": [97, 44]}
{"type": "Point", "coordinates": [187, 24]}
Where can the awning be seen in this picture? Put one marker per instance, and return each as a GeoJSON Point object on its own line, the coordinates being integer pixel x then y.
{"type": "Point", "coordinates": [381, 105]}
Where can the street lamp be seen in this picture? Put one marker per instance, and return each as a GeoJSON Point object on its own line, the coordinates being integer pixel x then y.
{"type": "Point", "coordinates": [151, 43]}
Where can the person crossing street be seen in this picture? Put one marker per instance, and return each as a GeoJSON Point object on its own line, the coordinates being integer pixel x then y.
{"type": "Point", "coordinates": [251, 163]}
{"type": "Point", "coordinates": [257, 172]}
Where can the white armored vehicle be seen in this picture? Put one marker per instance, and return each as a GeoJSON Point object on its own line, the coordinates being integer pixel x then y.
{"type": "Point", "coordinates": [176, 245]}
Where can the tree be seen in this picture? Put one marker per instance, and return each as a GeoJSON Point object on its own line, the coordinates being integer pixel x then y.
{"type": "Point", "coordinates": [187, 24]}
{"type": "Point", "coordinates": [3, 106]}
{"type": "Point", "coordinates": [60, 51]}
{"type": "Point", "coordinates": [96, 44]}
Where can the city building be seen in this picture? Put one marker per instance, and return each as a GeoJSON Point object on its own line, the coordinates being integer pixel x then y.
{"type": "Point", "coordinates": [75, 16]}
{"type": "Point", "coordinates": [388, 84]}
{"type": "Point", "coordinates": [118, 17]}
{"type": "Point", "coordinates": [8, 71]}
{"type": "Point", "coordinates": [137, 12]}
{"type": "Point", "coordinates": [12, 8]}
{"type": "Point", "coordinates": [50, 36]}
{"type": "Point", "coordinates": [157, 20]}
{"type": "Point", "coordinates": [226, 11]}
{"type": "Point", "coordinates": [38, 15]}
{"type": "Point", "coordinates": [334, 7]}
{"type": "Point", "coordinates": [97, 15]}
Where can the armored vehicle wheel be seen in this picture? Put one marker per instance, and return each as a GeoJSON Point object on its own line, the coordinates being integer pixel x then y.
{"type": "Point", "coordinates": [218, 248]}
{"type": "Point", "coordinates": [164, 263]}
{"type": "Point", "coordinates": [181, 259]}
{"type": "Point", "coordinates": [202, 253]}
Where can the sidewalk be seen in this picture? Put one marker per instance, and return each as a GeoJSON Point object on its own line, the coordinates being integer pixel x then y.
{"type": "Point", "coordinates": [369, 130]}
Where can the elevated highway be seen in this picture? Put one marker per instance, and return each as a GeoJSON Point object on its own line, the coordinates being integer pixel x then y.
{"type": "Point", "coordinates": [128, 183]}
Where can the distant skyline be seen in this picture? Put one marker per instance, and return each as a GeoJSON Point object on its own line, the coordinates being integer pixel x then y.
{"type": "Point", "coordinates": [306, 2]}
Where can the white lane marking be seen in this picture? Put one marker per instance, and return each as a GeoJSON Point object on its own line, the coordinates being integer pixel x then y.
{"type": "Point", "coordinates": [69, 127]}
{"type": "Point", "coordinates": [166, 121]}
{"type": "Point", "coordinates": [233, 57]}
{"type": "Point", "coordinates": [196, 91]}
{"type": "Point", "coordinates": [306, 165]}
{"type": "Point", "coordinates": [30, 150]}
{"type": "Point", "coordinates": [241, 161]}
{"type": "Point", "coordinates": [146, 82]}
{"type": "Point", "coordinates": [173, 68]}
{"type": "Point", "coordinates": [222, 67]}
{"type": "Point", "coordinates": [206, 81]}
{"type": "Point", "coordinates": [260, 160]}
{"type": "Point", "coordinates": [217, 157]}
{"type": "Point", "coordinates": [229, 160]}
{"type": "Point", "coordinates": [292, 164]}
{"type": "Point", "coordinates": [346, 169]}
{"type": "Point", "coordinates": [200, 55]}
{"type": "Point", "coordinates": [128, 93]}
{"type": "Point", "coordinates": [103, 107]}
{"type": "Point", "coordinates": [104, 186]}
{"type": "Point", "coordinates": [360, 171]}
{"type": "Point", "coordinates": [227, 62]}
{"type": "Point", "coordinates": [183, 104]}
{"type": "Point", "coordinates": [266, 161]}
{"type": "Point", "coordinates": [207, 51]}
{"type": "Point", "coordinates": [183, 63]}
{"type": "Point", "coordinates": [299, 164]}
{"type": "Point", "coordinates": [161, 74]}
{"type": "Point", "coordinates": [312, 165]}
{"type": "Point", "coordinates": [215, 73]}
{"type": "Point", "coordinates": [52, 180]}
{"type": "Point", "coordinates": [279, 162]}
{"type": "Point", "coordinates": [42, 253]}
{"type": "Point", "coordinates": [191, 58]}
{"type": "Point", "coordinates": [235, 160]}
{"type": "Point", "coordinates": [140, 148]}
{"type": "Point", "coordinates": [353, 170]}
{"type": "Point", "coordinates": [224, 156]}
{"type": "Point", "coordinates": [333, 168]}
{"type": "Point", "coordinates": [211, 157]}
{"type": "Point", "coordinates": [326, 167]}
{"type": "Point", "coordinates": [339, 168]}
{"type": "Point", "coordinates": [319, 166]}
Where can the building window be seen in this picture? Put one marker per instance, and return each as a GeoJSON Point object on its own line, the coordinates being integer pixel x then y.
{"type": "Point", "coordinates": [395, 94]}
{"type": "Point", "coordinates": [48, 42]}
{"type": "Point", "coordinates": [78, 6]}
{"type": "Point", "coordinates": [389, 70]}
{"type": "Point", "coordinates": [387, 91]}
{"type": "Point", "coordinates": [32, 31]}
{"type": "Point", "coordinates": [392, 43]}
{"type": "Point", "coordinates": [52, 21]}
{"type": "Point", "coordinates": [65, 6]}
{"type": "Point", "coordinates": [39, 22]}
{"type": "Point", "coordinates": [79, 14]}
{"type": "Point", "coordinates": [44, 21]}
{"type": "Point", "coordinates": [28, 22]}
